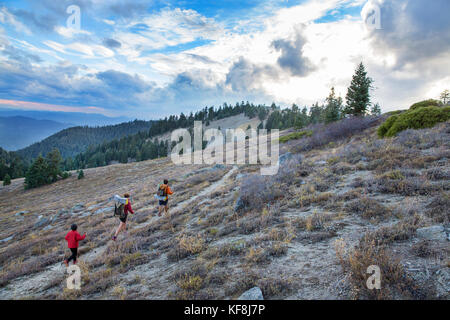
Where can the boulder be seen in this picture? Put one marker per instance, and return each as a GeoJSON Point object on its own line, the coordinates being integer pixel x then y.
{"type": "Point", "coordinates": [252, 294]}
{"type": "Point", "coordinates": [432, 233]}
{"type": "Point", "coordinates": [42, 221]}
{"type": "Point", "coordinates": [284, 157]}
{"type": "Point", "coordinates": [77, 208]}
{"type": "Point", "coordinates": [7, 239]}
{"type": "Point", "coordinates": [103, 210]}
{"type": "Point", "coordinates": [239, 205]}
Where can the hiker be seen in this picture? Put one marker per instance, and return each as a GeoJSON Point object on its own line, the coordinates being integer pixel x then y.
{"type": "Point", "coordinates": [72, 238]}
{"type": "Point", "coordinates": [163, 196]}
{"type": "Point", "coordinates": [123, 215]}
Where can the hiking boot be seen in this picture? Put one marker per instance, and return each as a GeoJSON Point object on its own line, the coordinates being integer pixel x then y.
{"type": "Point", "coordinates": [75, 262]}
{"type": "Point", "coordinates": [66, 263]}
{"type": "Point", "coordinates": [114, 238]}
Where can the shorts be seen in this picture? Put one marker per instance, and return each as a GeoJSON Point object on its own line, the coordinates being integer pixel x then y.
{"type": "Point", "coordinates": [163, 202]}
{"type": "Point", "coordinates": [124, 220]}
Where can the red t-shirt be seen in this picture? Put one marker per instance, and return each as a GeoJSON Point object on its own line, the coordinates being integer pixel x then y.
{"type": "Point", "coordinates": [73, 237]}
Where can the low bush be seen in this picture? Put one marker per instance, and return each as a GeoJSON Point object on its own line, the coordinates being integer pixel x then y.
{"type": "Point", "coordinates": [425, 103]}
{"type": "Point", "coordinates": [420, 118]}
{"type": "Point", "coordinates": [296, 136]}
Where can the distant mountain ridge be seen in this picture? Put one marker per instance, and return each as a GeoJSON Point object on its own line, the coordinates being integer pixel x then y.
{"type": "Point", "coordinates": [17, 132]}
{"type": "Point", "coordinates": [74, 140]}
{"type": "Point", "coordinates": [75, 118]}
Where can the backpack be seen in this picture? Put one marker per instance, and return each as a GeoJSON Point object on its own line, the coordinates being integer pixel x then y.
{"type": "Point", "coordinates": [119, 210]}
{"type": "Point", "coordinates": [162, 192]}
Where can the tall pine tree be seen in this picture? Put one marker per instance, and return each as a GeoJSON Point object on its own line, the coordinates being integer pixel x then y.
{"type": "Point", "coordinates": [358, 96]}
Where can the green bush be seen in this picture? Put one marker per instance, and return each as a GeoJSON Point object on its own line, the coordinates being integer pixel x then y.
{"type": "Point", "coordinates": [384, 128]}
{"type": "Point", "coordinates": [80, 174]}
{"type": "Point", "coordinates": [425, 103]}
{"type": "Point", "coordinates": [7, 180]}
{"type": "Point", "coordinates": [296, 136]}
{"type": "Point", "coordinates": [425, 117]}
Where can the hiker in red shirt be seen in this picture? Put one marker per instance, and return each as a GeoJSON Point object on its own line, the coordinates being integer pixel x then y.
{"type": "Point", "coordinates": [123, 221]}
{"type": "Point", "coordinates": [72, 238]}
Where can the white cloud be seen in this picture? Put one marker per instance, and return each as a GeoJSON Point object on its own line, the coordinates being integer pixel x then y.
{"type": "Point", "coordinates": [8, 18]}
{"type": "Point", "coordinates": [70, 32]}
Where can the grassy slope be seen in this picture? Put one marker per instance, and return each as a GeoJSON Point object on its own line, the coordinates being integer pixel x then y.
{"type": "Point", "coordinates": [206, 250]}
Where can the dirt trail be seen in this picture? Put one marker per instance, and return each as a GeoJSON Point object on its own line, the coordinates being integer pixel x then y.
{"type": "Point", "coordinates": [181, 205]}
{"type": "Point", "coordinates": [36, 283]}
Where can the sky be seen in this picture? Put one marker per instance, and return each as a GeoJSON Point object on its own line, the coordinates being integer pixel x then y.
{"type": "Point", "coordinates": [149, 59]}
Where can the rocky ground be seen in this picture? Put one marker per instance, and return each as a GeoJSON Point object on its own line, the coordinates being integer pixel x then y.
{"type": "Point", "coordinates": [310, 232]}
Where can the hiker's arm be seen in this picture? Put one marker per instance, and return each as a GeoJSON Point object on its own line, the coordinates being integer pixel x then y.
{"type": "Point", "coordinates": [169, 191]}
{"type": "Point", "coordinates": [79, 238]}
{"type": "Point", "coordinates": [67, 237]}
{"type": "Point", "coordinates": [130, 209]}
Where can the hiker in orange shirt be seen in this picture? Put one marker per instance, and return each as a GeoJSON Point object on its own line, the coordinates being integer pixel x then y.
{"type": "Point", "coordinates": [163, 196]}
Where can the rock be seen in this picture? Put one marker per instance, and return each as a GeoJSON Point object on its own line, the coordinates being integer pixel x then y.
{"type": "Point", "coordinates": [48, 228]}
{"type": "Point", "coordinates": [86, 214]}
{"type": "Point", "coordinates": [240, 176]}
{"type": "Point", "coordinates": [364, 159]}
{"type": "Point", "coordinates": [443, 283]}
{"type": "Point", "coordinates": [432, 233]}
{"type": "Point", "coordinates": [103, 210]}
{"type": "Point", "coordinates": [77, 208]}
{"type": "Point", "coordinates": [284, 157]}
{"type": "Point", "coordinates": [7, 239]}
{"type": "Point", "coordinates": [21, 213]}
{"type": "Point", "coordinates": [218, 166]}
{"type": "Point", "coordinates": [320, 163]}
{"type": "Point", "coordinates": [239, 205]}
{"type": "Point", "coordinates": [41, 222]}
{"type": "Point", "coordinates": [252, 294]}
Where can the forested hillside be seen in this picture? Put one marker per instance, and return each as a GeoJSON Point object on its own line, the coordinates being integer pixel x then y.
{"type": "Point", "coordinates": [74, 140]}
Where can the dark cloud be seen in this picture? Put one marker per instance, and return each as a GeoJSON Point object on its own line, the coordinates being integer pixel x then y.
{"type": "Point", "coordinates": [19, 55]}
{"type": "Point", "coordinates": [413, 30]}
{"type": "Point", "coordinates": [245, 75]}
{"type": "Point", "coordinates": [292, 58]}
{"type": "Point", "coordinates": [112, 44]}
{"type": "Point", "coordinates": [122, 82]}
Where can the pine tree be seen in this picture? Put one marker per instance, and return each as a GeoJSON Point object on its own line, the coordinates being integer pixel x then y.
{"type": "Point", "coordinates": [54, 160]}
{"type": "Point", "coordinates": [376, 109]}
{"type": "Point", "coordinates": [37, 174]}
{"type": "Point", "coordinates": [358, 96]}
{"type": "Point", "coordinates": [333, 108]}
{"type": "Point", "coordinates": [445, 97]}
{"type": "Point", "coordinates": [80, 174]}
{"type": "Point", "coordinates": [7, 180]}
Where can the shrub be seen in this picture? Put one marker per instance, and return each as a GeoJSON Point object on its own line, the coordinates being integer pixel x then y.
{"type": "Point", "coordinates": [384, 128]}
{"type": "Point", "coordinates": [368, 208]}
{"type": "Point", "coordinates": [80, 174]}
{"type": "Point", "coordinates": [419, 118]}
{"type": "Point", "coordinates": [296, 136]}
{"type": "Point", "coordinates": [425, 103]}
{"type": "Point", "coordinates": [6, 180]}
{"type": "Point", "coordinates": [325, 134]}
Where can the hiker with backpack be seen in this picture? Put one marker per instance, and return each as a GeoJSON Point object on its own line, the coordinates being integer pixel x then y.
{"type": "Point", "coordinates": [72, 238]}
{"type": "Point", "coordinates": [122, 212]}
{"type": "Point", "coordinates": [162, 195]}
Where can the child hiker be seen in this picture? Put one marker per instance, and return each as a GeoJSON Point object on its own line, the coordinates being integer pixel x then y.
{"type": "Point", "coordinates": [123, 215]}
{"type": "Point", "coordinates": [72, 238]}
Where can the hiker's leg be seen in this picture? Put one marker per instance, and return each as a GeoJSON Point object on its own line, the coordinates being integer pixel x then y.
{"type": "Point", "coordinates": [73, 256]}
{"type": "Point", "coordinates": [166, 208]}
{"type": "Point", "coordinates": [119, 229]}
{"type": "Point", "coordinates": [74, 253]}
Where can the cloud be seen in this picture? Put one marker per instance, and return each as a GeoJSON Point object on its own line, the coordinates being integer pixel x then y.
{"type": "Point", "coordinates": [245, 75]}
{"type": "Point", "coordinates": [8, 18]}
{"type": "Point", "coordinates": [111, 43]}
{"type": "Point", "coordinates": [412, 30]}
{"type": "Point", "coordinates": [292, 58]}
